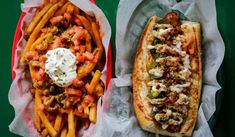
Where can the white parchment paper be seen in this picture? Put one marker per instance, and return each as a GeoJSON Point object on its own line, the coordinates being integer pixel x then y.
{"type": "Point", "coordinates": [19, 97]}
{"type": "Point", "coordinates": [131, 19]}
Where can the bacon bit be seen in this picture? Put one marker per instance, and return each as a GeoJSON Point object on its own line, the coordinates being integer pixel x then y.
{"type": "Point", "coordinates": [171, 98]}
{"type": "Point", "coordinates": [173, 128]}
{"type": "Point", "coordinates": [88, 56]}
{"type": "Point", "coordinates": [158, 86]}
{"type": "Point", "coordinates": [80, 58]}
{"type": "Point", "coordinates": [56, 20]}
{"type": "Point", "coordinates": [77, 83]}
{"type": "Point", "coordinates": [76, 48]}
{"type": "Point", "coordinates": [71, 91]}
{"type": "Point", "coordinates": [31, 55]}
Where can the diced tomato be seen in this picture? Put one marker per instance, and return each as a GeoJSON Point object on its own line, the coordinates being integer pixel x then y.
{"type": "Point", "coordinates": [78, 21]}
{"type": "Point", "coordinates": [191, 50]}
{"type": "Point", "coordinates": [77, 83]}
{"type": "Point", "coordinates": [80, 111]}
{"type": "Point", "coordinates": [56, 20]}
{"type": "Point", "coordinates": [30, 55]}
{"type": "Point", "coordinates": [71, 91]}
{"type": "Point", "coordinates": [76, 48]}
{"type": "Point", "coordinates": [80, 58]}
{"type": "Point", "coordinates": [40, 82]}
{"type": "Point", "coordinates": [88, 56]}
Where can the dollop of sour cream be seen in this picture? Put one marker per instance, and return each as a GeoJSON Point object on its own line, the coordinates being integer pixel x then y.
{"type": "Point", "coordinates": [61, 66]}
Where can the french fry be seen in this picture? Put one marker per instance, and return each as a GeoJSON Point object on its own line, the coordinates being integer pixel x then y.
{"type": "Point", "coordinates": [71, 125]}
{"type": "Point", "coordinates": [96, 34]}
{"type": "Point", "coordinates": [63, 132]}
{"type": "Point", "coordinates": [89, 18]}
{"type": "Point", "coordinates": [39, 40]}
{"type": "Point", "coordinates": [76, 11]}
{"type": "Point", "coordinates": [87, 26]}
{"type": "Point", "coordinates": [98, 41]}
{"type": "Point", "coordinates": [47, 124]}
{"type": "Point", "coordinates": [38, 28]}
{"type": "Point", "coordinates": [37, 120]}
{"type": "Point", "coordinates": [62, 10]}
{"type": "Point", "coordinates": [44, 133]}
{"type": "Point", "coordinates": [37, 17]}
{"type": "Point", "coordinates": [85, 23]}
{"type": "Point", "coordinates": [86, 111]}
{"type": "Point", "coordinates": [88, 44]}
{"type": "Point", "coordinates": [92, 114]}
{"type": "Point", "coordinates": [95, 80]}
{"type": "Point", "coordinates": [87, 67]}
{"type": "Point", "coordinates": [58, 122]}
{"type": "Point", "coordinates": [99, 91]}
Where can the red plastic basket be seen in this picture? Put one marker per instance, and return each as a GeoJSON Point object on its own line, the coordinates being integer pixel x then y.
{"type": "Point", "coordinates": [18, 36]}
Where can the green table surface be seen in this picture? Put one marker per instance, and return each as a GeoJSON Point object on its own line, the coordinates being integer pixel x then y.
{"type": "Point", "coordinates": [10, 12]}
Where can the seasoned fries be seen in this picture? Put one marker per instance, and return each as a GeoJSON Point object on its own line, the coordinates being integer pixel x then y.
{"type": "Point", "coordinates": [58, 122]}
{"type": "Point", "coordinates": [92, 114]}
{"type": "Point", "coordinates": [58, 110]}
{"type": "Point", "coordinates": [44, 133]}
{"type": "Point", "coordinates": [63, 132]}
{"type": "Point", "coordinates": [47, 124]}
{"type": "Point", "coordinates": [38, 28]}
{"type": "Point", "coordinates": [36, 19]}
{"type": "Point", "coordinates": [94, 82]}
{"type": "Point", "coordinates": [71, 125]}
{"type": "Point", "coordinates": [36, 115]}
